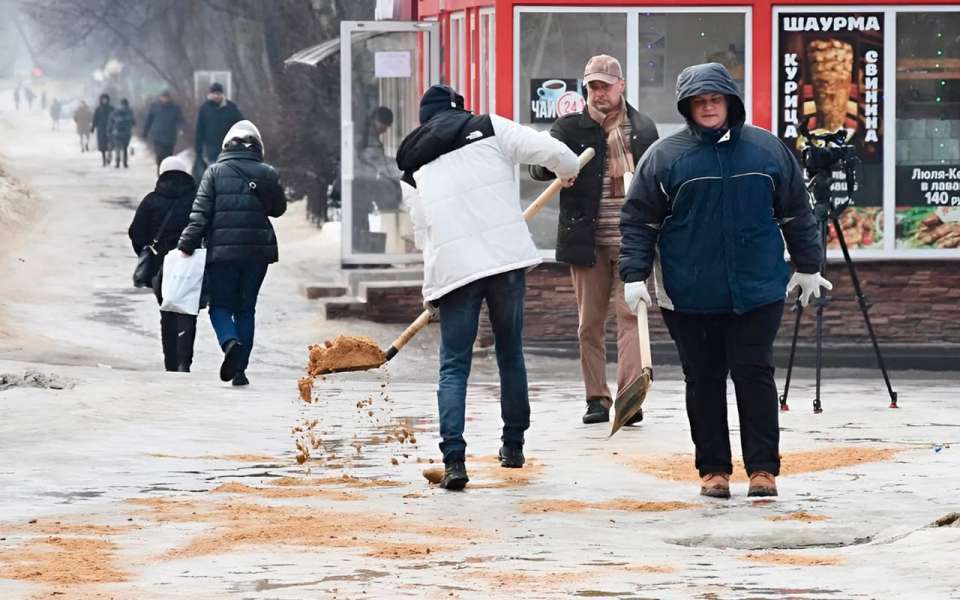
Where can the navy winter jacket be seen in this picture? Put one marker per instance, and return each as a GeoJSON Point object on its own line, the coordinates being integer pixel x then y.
{"type": "Point", "coordinates": [706, 210]}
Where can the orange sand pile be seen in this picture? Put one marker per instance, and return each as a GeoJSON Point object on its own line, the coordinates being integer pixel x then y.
{"type": "Point", "coordinates": [799, 560]}
{"type": "Point", "coordinates": [622, 504]}
{"type": "Point", "coordinates": [243, 525]}
{"type": "Point", "coordinates": [345, 352]}
{"type": "Point", "coordinates": [286, 492]}
{"type": "Point", "coordinates": [799, 516]}
{"type": "Point", "coordinates": [62, 561]}
{"type": "Point", "coordinates": [679, 467]}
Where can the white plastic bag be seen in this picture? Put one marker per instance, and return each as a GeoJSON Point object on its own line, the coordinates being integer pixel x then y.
{"type": "Point", "coordinates": [182, 281]}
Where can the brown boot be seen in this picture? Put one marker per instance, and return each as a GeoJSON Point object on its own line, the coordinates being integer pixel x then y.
{"type": "Point", "coordinates": [762, 484]}
{"type": "Point", "coordinates": [715, 485]}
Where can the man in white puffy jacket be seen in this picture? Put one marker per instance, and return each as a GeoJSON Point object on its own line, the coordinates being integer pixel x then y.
{"type": "Point", "coordinates": [476, 248]}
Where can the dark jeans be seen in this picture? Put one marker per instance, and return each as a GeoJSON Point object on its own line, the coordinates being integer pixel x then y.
{"type": "Point", "coordinates": [459, 317]}
{"type": "Point", "coordinates": [233, 289]}
{"type": "Point", "coordinates": [710, 347]}
{"type": "Point", "coordinates": [177, 333]}
{"type": "Point", "coordinates": [162, 151]}
{"type": "Point", "coordinates": [120, 146]}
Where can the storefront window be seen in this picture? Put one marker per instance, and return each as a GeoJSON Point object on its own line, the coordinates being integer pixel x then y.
{"type": "Point", "coordinates": [830, 78]}
{"type": "Point", "coordinates": [553, 49]}
{"type": "Point", "coordinates": [928, 130]}
{"type": "Point", "coordinates": [669, 42]}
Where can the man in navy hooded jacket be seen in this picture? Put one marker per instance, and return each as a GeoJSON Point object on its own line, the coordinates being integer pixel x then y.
{"type": "Point", "coordinates": [707, 213]}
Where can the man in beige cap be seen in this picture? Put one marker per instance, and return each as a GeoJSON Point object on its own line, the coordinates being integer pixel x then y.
{"type": "Point", "coordinates": [588, 236]}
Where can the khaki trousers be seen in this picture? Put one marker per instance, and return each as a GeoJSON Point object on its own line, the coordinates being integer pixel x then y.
{"type": "Point", "coordinates": [595, 287]}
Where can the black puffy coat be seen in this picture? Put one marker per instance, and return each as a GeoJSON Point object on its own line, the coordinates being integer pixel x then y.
{"type": "Point", "coordinates": [229, 216]}
{"type": "Point", "coordinates": [175, 191]}
{"type": "Point", "coordinates": [213, 123]}
{"type": "Point", "coordinates": [580, 203]}
{"type": "Point", "coordinates": [710, 209]}
{"type": "Point", "coordinates": [164, 122]}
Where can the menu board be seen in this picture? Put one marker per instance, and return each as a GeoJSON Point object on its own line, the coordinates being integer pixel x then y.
{"type": "Point", "coordinates": [928, 206]}
{"type": "Point", "coordinates": [830, 76]}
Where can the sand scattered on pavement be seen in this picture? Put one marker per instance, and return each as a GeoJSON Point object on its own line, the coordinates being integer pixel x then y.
{"type": "Point", "coordinates": [799, 516]}
{"type": "Point", "coordinates": [679, 467]}
{"type": "Point", "coordinates": [60, 560]}
{"type": "Point", "coordinates": [347, 480]}
{"type": "Point", "coordinates": [621, 504]}
{"type": "Point", "coordinates": [286, 492]}
{"type": "Point", "coordinates": [486, 473]}
{"type": "Point", "coordinates": [798, 560]}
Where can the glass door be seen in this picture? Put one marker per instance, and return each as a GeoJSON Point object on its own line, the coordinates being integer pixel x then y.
{"type": "Point", "coordinates": [385, 68]}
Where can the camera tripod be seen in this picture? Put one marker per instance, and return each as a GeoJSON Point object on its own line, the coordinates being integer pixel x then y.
{"type": "Point", "coordinates": [825, 210]}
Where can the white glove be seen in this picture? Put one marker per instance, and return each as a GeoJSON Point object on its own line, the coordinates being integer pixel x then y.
{"type": "Point", "coordinates": [432, 308]}
{"type": "Point", "coordinates": [634, 293]}
{"type": "Point", "coordinates": [809, 284]}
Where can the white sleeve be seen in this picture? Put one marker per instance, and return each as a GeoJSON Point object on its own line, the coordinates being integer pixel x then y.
{"type": "Point", "coordinates": [411, 198]}
{"type": "Point", "coordinates": [528, 146]}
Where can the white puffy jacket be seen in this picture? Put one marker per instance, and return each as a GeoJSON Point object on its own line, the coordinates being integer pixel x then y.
{"type": "Point", "coordinates": [465, 207]}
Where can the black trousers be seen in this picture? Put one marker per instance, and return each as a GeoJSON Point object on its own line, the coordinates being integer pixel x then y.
{"type": "Point", "coordinates": [177, 333]}
{"type": "Point", "coordinates": [162, 151]}
{"type": "Point", "coordinates": [710, 347]}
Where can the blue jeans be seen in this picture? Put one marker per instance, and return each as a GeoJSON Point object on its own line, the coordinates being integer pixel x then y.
{"type": "Point", "coordinates": [459, 317]}
{"type": "Point", "coordinates": [233, 288]}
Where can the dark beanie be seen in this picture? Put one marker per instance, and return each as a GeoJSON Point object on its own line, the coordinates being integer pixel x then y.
{"type": "Point", "coordinates": [438, 99]}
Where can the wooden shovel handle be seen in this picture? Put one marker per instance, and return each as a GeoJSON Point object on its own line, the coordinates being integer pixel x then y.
{"type": "Point", "coordinates": [408, 334]}
{"type": "Point", "coordinates": [646, 357]}
{"type": "Point", "coordinates": [547, 195]}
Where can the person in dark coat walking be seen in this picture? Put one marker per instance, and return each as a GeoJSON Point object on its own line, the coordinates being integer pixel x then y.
{"type": "Point", "coordinates": [216, 116]}
{"type": "Point", "coordinates": [121, 130]}
{"type": "Point", "coordinates": [164, 123]}
{"type": "Point", "coordinates": [707, 214]}
{"type": "Point", "coordinates": [237, 195]}
{"type": "Point", "coordinates": [174, 194]}
{"type": "Point", "coordinates": [16, 97]}
{"type": "Point", "coordinates": [101, 125]}
{"type": "Point", "coordinates": [588, 234]}
{"type": "Point", "coordinates": [29, 95]}
{"type": "Point", "coordinates": [83, 117]}
{"type": "Point", "coordinates": [55, 109]}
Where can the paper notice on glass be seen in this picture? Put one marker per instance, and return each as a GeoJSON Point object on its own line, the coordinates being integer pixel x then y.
{"type": "Point", "coordinates": [391, 64]}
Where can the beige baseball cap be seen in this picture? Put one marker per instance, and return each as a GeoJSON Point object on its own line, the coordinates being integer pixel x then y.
{"type": "Point", "coordinates": [602, 67]}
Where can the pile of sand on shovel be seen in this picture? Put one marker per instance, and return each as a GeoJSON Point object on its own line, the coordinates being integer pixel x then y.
{"type": "Point", "coordinates": [345, 353]}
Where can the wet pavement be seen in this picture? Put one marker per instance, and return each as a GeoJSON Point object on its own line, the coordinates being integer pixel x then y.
{"type": "Point", "coordinates": [120, 481]}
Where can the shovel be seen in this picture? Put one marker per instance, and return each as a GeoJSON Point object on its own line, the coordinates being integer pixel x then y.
{"type": "Point", "coordinates": [542, 200]}
{"type": "Point", "coordinates": [630, 399]}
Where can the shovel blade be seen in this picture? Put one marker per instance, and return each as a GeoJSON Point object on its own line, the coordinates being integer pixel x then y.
{"type": "Point", "coordinates": [351, 368]}
{"type": "Point", "coordinates": [630, 400]}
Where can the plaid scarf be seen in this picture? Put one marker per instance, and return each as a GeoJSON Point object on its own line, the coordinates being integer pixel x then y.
{"type": "Point", "coordinates": [619, 158]}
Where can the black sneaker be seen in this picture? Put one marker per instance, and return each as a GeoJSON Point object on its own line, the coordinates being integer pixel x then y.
{"type": "Point", "coordinates": [597, 412]}
{"type": "Point", "coordinates": [231, 356]}
{"type": "Point", "coordinates": [240, 379]}
{"type": "Point", "coordinates": [511, 456]}
{"type": "Point", "coordinates": [635, 418]}
{"type": "Point", "coordinates": [454, 476]}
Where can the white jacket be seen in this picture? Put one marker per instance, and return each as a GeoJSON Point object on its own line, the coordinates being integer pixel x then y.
{"type": "Point", "coordinates": [465, 207]}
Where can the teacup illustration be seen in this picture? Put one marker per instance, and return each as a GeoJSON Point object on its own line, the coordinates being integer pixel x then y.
{"type": "Point", "coordinates": [551, 90]}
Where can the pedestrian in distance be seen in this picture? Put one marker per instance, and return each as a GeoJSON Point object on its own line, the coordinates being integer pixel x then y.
{"type": "Point", "coordinates": [121, 130]}
{"type": "Point", "coordinates": [55, 109]}
{"type": "Point", "coordinates": [159, 220]}
{"type": "Point", "coordinates": [43, 100]}
{"type": "Point", "coordinates": [476, 249]}
{"type": "Point", "coordinates": [231, 214]}
{"type": "Point", "coordinates": [588, 234]}
{"type": "Point", "coordinates": [83, 118]}
{"type": "Point", "coordinates": [101, 125]}
{"type": "Point", "coordinates": [16, 98]}
{"type": "Point", "coordinates": [163, 124]}
{"type": "Point", "coordinates": [215, 117]}
{"type": "Point", "coordinates": [707, 216]}
{"type": "Point", "coordinates": [29, 95]}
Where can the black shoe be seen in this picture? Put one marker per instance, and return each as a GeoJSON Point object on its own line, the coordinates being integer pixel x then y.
{"type": "Point", "coordinates": [454, 476]}
{"type": "Point", "coordinates": [597, 412]}
{"type": "Point", "coordinates": [231, 356]}
{"type": "Point", "coordinates": [511, 457]}
{"type": "Point", "coordinates": [240, 379]}
{"type": "Point", "coordinates": [635, 418]}
{"type": "Point", "coordinates": [183, 368]}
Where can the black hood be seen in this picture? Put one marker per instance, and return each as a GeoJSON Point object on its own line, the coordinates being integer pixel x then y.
{"type": "Point", "coordinates": [710, 78]}
{"type": "Point", "coordinates": [174, 184]}
{"type": "Point", "coordinates": [439, 98]}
